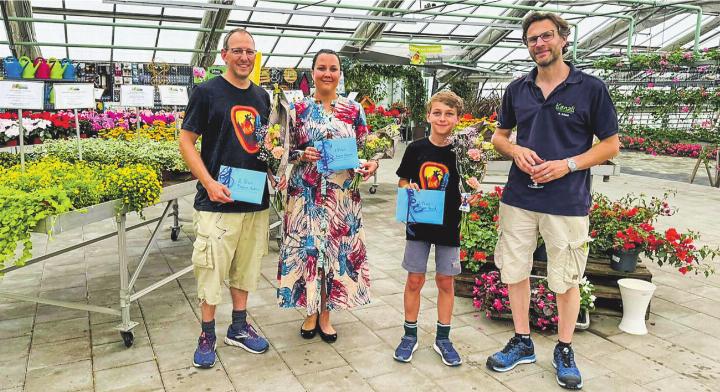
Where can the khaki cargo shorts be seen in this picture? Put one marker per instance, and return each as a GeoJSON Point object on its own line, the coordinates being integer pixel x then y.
{"type": "Point", "coordinates": [566, 240]}
{"type": "Point", "coordinates": [228, 250]}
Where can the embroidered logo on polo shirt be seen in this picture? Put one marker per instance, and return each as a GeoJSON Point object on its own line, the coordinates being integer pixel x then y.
{"type": "Point", "coordinates": [564, 110]}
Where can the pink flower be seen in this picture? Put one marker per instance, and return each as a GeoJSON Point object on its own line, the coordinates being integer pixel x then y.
{"type": "Point", "coordinates": [663, 63]}
{"type": "Point", "coordinates": [541, 304]}
{"type": "Point", "coordinates": [497, 305]}
{"type": "Point", "coordinates": [650, 85]}
{"type": "Point", "coordinates": [475, 154]}
{"type": "Point", "coordinates": [473, 183]}
{"type": "Point", "coordinates": [277, 152]}
{"type": "Point", "coordinates": [649, 72]}
{"type": "Point", "coordinates": [687, 55]}
{"type": "Point", "coordinates": [675, 79]}
{"type": "Point", "coordinates": [685, 109]}
{"type": "Point", "coordinates": [637, 101]}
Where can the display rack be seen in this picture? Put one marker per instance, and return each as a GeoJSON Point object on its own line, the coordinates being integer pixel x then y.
{"type": "Point", "coordinates": [113, 209]}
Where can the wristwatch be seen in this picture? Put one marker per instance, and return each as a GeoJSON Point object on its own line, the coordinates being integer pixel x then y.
{"type": "Point", "coordinates": [571, 165]}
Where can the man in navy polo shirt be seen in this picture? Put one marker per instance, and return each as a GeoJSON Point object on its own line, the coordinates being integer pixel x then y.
{"type": "Point", "coordinates": [557, 109]}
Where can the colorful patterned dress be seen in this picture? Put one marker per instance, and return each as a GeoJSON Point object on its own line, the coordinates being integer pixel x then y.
{"type": "Point", "coordinates": [323, 227]}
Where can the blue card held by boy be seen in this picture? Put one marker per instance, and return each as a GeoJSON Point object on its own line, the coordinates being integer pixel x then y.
{"type": "Point", "coordinates": [245, 185]}
{"type": "Point", "coordinates": [423, 206]}
{"type": "Point", "coordinates": [337, 154]}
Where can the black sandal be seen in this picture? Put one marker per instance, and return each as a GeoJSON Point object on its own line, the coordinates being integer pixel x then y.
{"type": "Point", "coordinates": [327, 338]}
{"type": "Point", "coordinates": [309, 334]}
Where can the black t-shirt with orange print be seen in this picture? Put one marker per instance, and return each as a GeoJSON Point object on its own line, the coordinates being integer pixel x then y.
{"type": "Point", "coordinates": [434, 168]}
{"type": "Point", "coordinates": [227, 117]}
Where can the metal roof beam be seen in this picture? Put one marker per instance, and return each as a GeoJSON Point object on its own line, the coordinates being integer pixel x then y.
{"type": "Point", "coordinates": [208, 41]}
{"type": "Point", "coordinates": [20, 31]}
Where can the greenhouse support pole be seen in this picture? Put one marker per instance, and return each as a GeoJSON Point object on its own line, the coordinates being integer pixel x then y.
{"type": "Point", "coordinates": [22, 140]}
{"type": "Point", "coordinates": [177, 122]}
{"type": "Point", "coordinates": [77, 131]}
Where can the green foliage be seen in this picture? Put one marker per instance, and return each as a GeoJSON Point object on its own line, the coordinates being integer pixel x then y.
{"type": "Point", "coordinates": [672, 60]}
{"type": "Point", "coordinates": [366, 79]}
{"type": "Point", "coordinates": [50, 187]}
{"type": "Point", "coordinates": [161, 155]}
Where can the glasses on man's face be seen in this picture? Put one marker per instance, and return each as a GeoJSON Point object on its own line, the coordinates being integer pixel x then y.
{"type": "Point", "coordinates": [546, 37]}
{"type": "Point", "coordinates": [241, 51]}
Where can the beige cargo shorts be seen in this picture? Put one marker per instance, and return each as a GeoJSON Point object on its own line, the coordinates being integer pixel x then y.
{"type": "Point", "coordinates": [566, 240]}
{"type": "Point", "coordinates": [228, 250]}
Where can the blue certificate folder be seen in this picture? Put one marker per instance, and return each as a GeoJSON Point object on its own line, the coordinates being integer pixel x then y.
{"type": "Point", "coordinates": [245, 185]}
{"type": "Point", "coordinates": [423, 206]}
{"type": "Point", "coordinates": [337, 154]}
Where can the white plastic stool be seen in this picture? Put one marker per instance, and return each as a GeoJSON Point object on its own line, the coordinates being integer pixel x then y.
{"type": "Point", "coordinates": [636, 295]}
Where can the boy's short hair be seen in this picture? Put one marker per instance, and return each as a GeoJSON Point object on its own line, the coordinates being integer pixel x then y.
{"type": "Point", "coordinates": [448, 98]}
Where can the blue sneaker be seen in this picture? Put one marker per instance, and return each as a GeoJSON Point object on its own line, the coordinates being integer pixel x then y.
{"type": "Point", "coordinates": [516, 352]}
{"type": "Point", "coordinates": [568, 375]}
{"type": "Point", "coordinates": [204, 356]}
{"type": "Point", "coordinates": [447, 352]}
{"type": "Point", "coordinates": [247, 338]}
{"type": "Point", "coordinates": [408, 345]}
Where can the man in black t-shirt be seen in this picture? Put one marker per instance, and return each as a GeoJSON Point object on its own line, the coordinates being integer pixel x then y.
{"type": "Point", "coordinates": [430, 163]}
{"type": "Point", "coordinates": [231, 236]}
{"type": "Point", "coordinates": [557, 109]}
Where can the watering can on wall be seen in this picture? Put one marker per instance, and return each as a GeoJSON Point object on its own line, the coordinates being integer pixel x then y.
{"type": "Point", "coordinates": [13, 69]}
{"type": "Point", "coordinates": [57, 69]}
{"type": "Point", "coordinates": [68, 69]}
{"type": "Point", "coordinates": [28, 68]}
{"type": "Point", "coordinates": [43, 68]}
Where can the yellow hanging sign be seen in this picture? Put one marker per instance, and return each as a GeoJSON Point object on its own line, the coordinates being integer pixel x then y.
{"type": "Point", "coordinates": [255, 74]}
{"type": "Point", "coordinates": [418, 53]}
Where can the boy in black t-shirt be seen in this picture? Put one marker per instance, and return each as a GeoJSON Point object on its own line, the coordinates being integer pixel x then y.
{"type": "Point", "coordinates": [430, 163]}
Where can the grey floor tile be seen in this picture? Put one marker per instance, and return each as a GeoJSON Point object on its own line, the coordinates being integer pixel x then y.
{"type": "Point", "coordinates": [193, 379]}
{"type": "Point", "coordinates": [113, 355]}
{"type": "Point", "coordinates": [397, 381]}
{"type": "Point", "coordinates": [61, 330]}
{"type": "Point", "coordinates": [58, 353]}
{"type": "Point", "coordinates": [138, 377]}
{"type": "Point", "coordinates": [68, 377]}
{"type": "Point", "coordinates": [343, 378]}
{"type": "Point", "coordinates": [311, 358]}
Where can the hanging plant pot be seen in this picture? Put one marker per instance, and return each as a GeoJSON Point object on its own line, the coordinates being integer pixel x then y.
{"type": "Point", "coordinates": [624, 260]}
{"type": "Point", "coordinates": [540, 253]}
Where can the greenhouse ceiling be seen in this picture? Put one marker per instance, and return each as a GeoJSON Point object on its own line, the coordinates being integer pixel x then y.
{"type": "Point", "coordinates": [477, 37]}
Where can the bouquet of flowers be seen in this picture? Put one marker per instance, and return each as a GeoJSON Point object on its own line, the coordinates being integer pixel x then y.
{"type": "Point", "coordinates": [271, 146]}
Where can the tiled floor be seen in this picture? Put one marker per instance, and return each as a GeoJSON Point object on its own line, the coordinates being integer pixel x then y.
{"type": "Point", "coordinates": [45, 348]}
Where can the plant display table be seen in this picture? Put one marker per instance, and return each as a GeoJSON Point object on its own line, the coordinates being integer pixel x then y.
{"type": "Point", "coordinates": [76, 219]}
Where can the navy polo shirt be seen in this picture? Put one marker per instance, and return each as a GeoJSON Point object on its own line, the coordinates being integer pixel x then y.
{"type": "Point", "coordinates": [557, 128]}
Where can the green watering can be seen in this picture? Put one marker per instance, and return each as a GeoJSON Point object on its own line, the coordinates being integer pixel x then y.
{"type": "Point", "coordinates": [28, 67]}
{"type": "Point", "coordinates": [57, 68]}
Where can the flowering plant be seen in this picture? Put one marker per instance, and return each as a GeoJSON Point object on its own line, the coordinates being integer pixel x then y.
{"type": "Point", "coordinates": [627, 224]}
{"type": "Point", "coordinates": [271, 145]}
{"type": "Point", "coordinates": [491, 296]}
{"type": "Point", "coordinates": [157, 130]}
{"type": "Point", "coordinates": [478, 229]}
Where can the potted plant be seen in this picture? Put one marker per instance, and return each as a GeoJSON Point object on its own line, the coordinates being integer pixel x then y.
{"type": "Point", "coordinates": [478, 230]}
{"type": "Point", "coordinates": [623, 229]}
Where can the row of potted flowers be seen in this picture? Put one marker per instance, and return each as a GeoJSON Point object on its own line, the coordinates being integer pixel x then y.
{"type": "Point", "coordinates": [655, 147]}
{"type": "Point", "coordinates": [39, 126]}
{"type": "Point", "coordinates": [659, 60]}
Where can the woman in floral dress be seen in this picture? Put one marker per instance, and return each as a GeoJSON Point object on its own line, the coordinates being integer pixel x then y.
{"type": "Point", "coordinates": [323, 261]}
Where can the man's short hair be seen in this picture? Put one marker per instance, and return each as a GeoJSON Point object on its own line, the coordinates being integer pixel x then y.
{"type": "Point", "coordinates": [233, 31]}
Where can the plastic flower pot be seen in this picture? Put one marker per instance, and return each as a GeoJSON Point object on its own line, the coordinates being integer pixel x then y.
{"type": "Point", "coordinates": [37, 140]}
{"type": "Point", "coordinates": [11, 143]}
{"type": "Point", "coordinates": [624, 260]}
{"type": "Point", "coordinates": [583, 320]}
{"type": "Point", "coordinates": [636, 295]}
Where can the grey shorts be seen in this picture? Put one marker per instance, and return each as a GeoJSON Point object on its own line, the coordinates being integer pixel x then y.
{"type": "Point", "coordinates": [447, 258]}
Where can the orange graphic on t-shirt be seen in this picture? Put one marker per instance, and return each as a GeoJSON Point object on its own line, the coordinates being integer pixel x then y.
{"type": "Point", "coordinates": [243, 120]}
{"type": "Point", "coordinates": [431, 175]}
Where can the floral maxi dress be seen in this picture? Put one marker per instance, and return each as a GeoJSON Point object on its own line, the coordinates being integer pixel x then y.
{"type": "Point", "coordinates": [323, 228]}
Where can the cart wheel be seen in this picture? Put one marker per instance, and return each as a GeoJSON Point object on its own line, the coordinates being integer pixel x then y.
{"type": "Point", "coordinates": [174, 233]}
{"type": "Point", "coordinates": [128, 338]}
{"type": "Point", "coordinates": [373, 190]}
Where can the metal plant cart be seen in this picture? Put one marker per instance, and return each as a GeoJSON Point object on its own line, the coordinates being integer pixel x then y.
{"type": "Point", "coordinates": [107, 210]}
